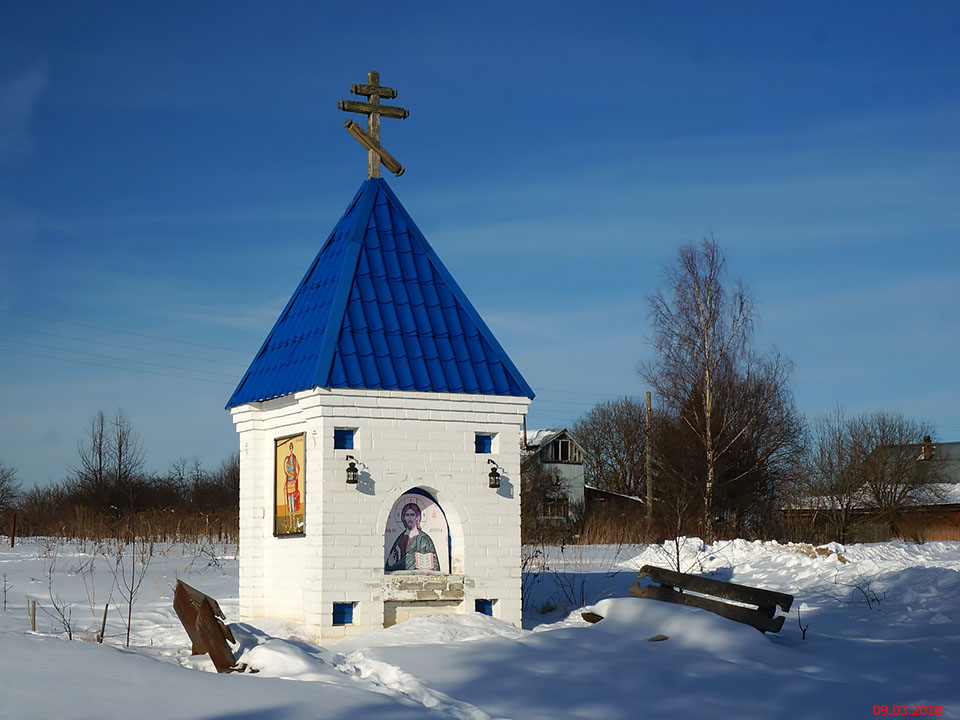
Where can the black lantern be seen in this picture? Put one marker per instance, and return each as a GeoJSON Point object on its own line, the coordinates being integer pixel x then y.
{"type": "Point", "coordinates": [494, 475]}
{"type": "Point", "coordinates": [352, 471]}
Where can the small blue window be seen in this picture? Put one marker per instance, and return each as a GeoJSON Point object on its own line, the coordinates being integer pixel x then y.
{"type": "Point", "coordinates": [343, 613]}
{"type": "Point", "coordinates": [484, 443]}
{"type": "Point", "coordinates": [343, 439]}
{"type": "Point", "coordinates": [484, 606]}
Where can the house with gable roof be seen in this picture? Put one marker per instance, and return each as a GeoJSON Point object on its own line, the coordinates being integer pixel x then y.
{"type": "Point", "coordinates": [931, 513]}
{"type": "Point", "coordinates": [379, 428]}
{"type": "Point", "coordinates": [555, 450]}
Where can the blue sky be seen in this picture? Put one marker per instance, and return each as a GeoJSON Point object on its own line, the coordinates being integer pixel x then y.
{"type": "Point", "coordinates": [169, 170]}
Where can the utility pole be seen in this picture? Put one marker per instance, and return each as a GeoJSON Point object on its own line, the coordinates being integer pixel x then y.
{"type": "Point", "coordinates": [649, 467]}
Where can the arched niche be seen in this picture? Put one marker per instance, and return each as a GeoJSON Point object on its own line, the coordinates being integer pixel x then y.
{"type": "Point", "coordinates": [417, 535]}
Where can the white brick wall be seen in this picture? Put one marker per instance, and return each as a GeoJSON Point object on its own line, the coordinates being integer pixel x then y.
{"type": "Point", "coordinates": [403, 440]}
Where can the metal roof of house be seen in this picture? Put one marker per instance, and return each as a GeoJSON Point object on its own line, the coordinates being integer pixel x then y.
{"type": "Point", "coordinates": [536, 438]}
{"type": "Point", "coordinates": [378, 310]}
{"type": "Point", "coordinates": [949, 455]}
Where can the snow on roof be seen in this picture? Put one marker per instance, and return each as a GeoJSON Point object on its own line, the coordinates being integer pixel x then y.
{"type": "Point", "coordinates": [610, 492]}
{"type": "Point", "coordinates": [536, 438]}
{"type": "Point", "coordinates": [935, 494]}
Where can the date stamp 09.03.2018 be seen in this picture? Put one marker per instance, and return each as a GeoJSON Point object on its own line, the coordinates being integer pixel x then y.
{"type": "Point", "coordinates": [901, 710]}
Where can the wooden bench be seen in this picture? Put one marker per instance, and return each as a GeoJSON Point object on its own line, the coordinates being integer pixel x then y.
{"type": "Point", "coordinates": [672, 585]}
{"type": "Point", "coordinates": [200, 615]}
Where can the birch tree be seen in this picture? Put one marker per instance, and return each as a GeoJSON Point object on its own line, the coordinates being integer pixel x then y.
{"type": "Point", "coordinates": [706, 370]}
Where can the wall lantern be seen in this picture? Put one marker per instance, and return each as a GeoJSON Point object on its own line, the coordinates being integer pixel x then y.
{"type": "Point", "coordinates": [494, 475]}
{"type": "Point", "coordinates": [352, 471]}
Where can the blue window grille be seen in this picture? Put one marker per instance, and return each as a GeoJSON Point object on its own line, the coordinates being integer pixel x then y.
{"type": "Point", "coordinates": [343, 613]}
{"type": "Point", "coordinates": [343, 439]}
{"type": "Point", "coordinates": [484, 443]}
{"type": "Point", "coordinates": [484, 607]}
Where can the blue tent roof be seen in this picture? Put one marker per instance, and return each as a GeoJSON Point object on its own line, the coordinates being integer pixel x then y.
{"type": "Point", "coordinates": [378, 310]}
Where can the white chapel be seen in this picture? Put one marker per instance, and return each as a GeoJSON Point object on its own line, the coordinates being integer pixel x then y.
{"type": "Point", "coordinates": [379, 429]}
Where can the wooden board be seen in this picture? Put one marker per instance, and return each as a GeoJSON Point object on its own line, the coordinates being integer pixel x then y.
{"type": "Point", "coordinates": [200, 616]}
{"type": "Point", "coordinates": [767, 600]}
{"type": "Point", "coordinates": [389, 111]}
{"type": "Point", "coordinates": [211, 630]}
{"type": "Point", "coordinates": [378, 90]}
{"type": "Point", "coordinates": [733, 612]}
{"type": "Point", "coordinates": [196, 597]}
{"type": "Point", "coordinates": [187, 612]}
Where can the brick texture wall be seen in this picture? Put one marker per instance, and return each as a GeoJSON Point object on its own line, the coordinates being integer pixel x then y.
{"type": "Point", "coordinates": [402, 441]}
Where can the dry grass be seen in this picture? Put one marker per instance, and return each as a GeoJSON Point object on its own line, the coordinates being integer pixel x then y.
{"type": "Point", "coordinates": [813, 552]}
{"type": "Point", "coordinates": [613, 529]}
{"type": "Point", "coordinates": [157, 525]}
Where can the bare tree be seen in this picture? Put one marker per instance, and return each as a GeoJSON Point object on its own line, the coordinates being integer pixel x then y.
{"type": "Point", "coordinates": [9, 487]}
{"type": "Point", "coordinates": [93, 473]}
{"type": "Point", "coordinates": [876, 464]}
{"type": "Point", "coordinates": [110, 472]}
{"type": "Point", "coordinates": [613, 436]}
{"type": "Point", "coordinates": [543, 500]}
{"type": "Point", "coordinates": [226, 482]}
{"type": "Point", "coordinates": [707, 372]}
{"type": "Point", "coordinates": [126, 458]}
{"type": "Point", "coordinates": [833, 480]}
{"type": "Point", "coordinates": [896, 471]}
{"type": "Point", "coordinates": [62, 612]}
{"type": "Point", "coordinates": [761, 437]}
{"type": "Point", "coordinates": [679, 498]}
{"type": "Point", "coordinates": [127, 581]}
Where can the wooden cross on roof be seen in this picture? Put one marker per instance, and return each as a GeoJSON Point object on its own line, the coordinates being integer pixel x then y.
{"type": "Point", "coordinates": [370, 139]}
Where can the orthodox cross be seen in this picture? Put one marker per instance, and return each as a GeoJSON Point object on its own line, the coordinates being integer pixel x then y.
{"type": "Point", "coordinates": [370, 138]}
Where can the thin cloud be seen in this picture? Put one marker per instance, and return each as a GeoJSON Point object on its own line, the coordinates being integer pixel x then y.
{"type": "Point", "coordinates": [17, 101]}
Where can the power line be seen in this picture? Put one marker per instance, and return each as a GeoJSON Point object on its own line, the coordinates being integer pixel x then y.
{"type": "Point", "coordinates": [541, 402]}
{"type": "Point", "coordinates": [122, 347]}
{"type": "Point", "coordinates": [565, 392]}
{"type": "Point", "coordinates": [591, 394]}
{"type": "Point", "coordinates": [115, 367]}
{"type": "Point", "coordinates": [115, 357]}
{"type": "Point", "coordinates": [539, 413]}
{"type": "Point", "coordinates": [124, 332]}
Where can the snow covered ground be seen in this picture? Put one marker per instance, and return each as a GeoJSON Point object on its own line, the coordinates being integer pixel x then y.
{"type": "Point", "coordinates": [883, 629]}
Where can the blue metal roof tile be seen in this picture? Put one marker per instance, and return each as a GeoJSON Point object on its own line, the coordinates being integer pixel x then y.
{"type": "Point", "coordinates": [404, 377]}
{"type": "Point", "coordinates": [467, 375]}
{"type": "Point", "coordinates": [435, 319]}
{"type": "Point", "coordinates": [420, 318]}
{"type": "Point", "coordinates": [437, 379]}
{"type": "Point", "coordinates": [396, 349]}
{"type": "Point", "coordinates": [408, 266]}
{"type": "Point", "coordinates": [428, 345]}
{"type": "Point", "coordinates": [381, 349]}
{"type": "Point", "coordinates": [377, 309]}
{"type": "Point", "coordinates": [484, 377]}
{"type": "Point", "coordinates": [338, 374]}
{"type": "Point", "coordinates": [391, 266]}
{"type": "Point", "coordinates": [405, 316]}
{"type": "Point", "coordinates": [362, 342]}
{"type": "Point", "coordinates": [421, 376]}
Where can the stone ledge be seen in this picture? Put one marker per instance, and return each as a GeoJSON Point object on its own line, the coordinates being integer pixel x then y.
{"type": "Point", "coordinates": [423, 588]}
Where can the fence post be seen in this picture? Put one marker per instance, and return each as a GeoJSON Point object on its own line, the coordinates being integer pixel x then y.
{"type": "Point", "coordinates": [32, 613]}
{"type": "Point", "coordinates": [13, 527]}
{"type": "Point", "coordinates": [103, 626]}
